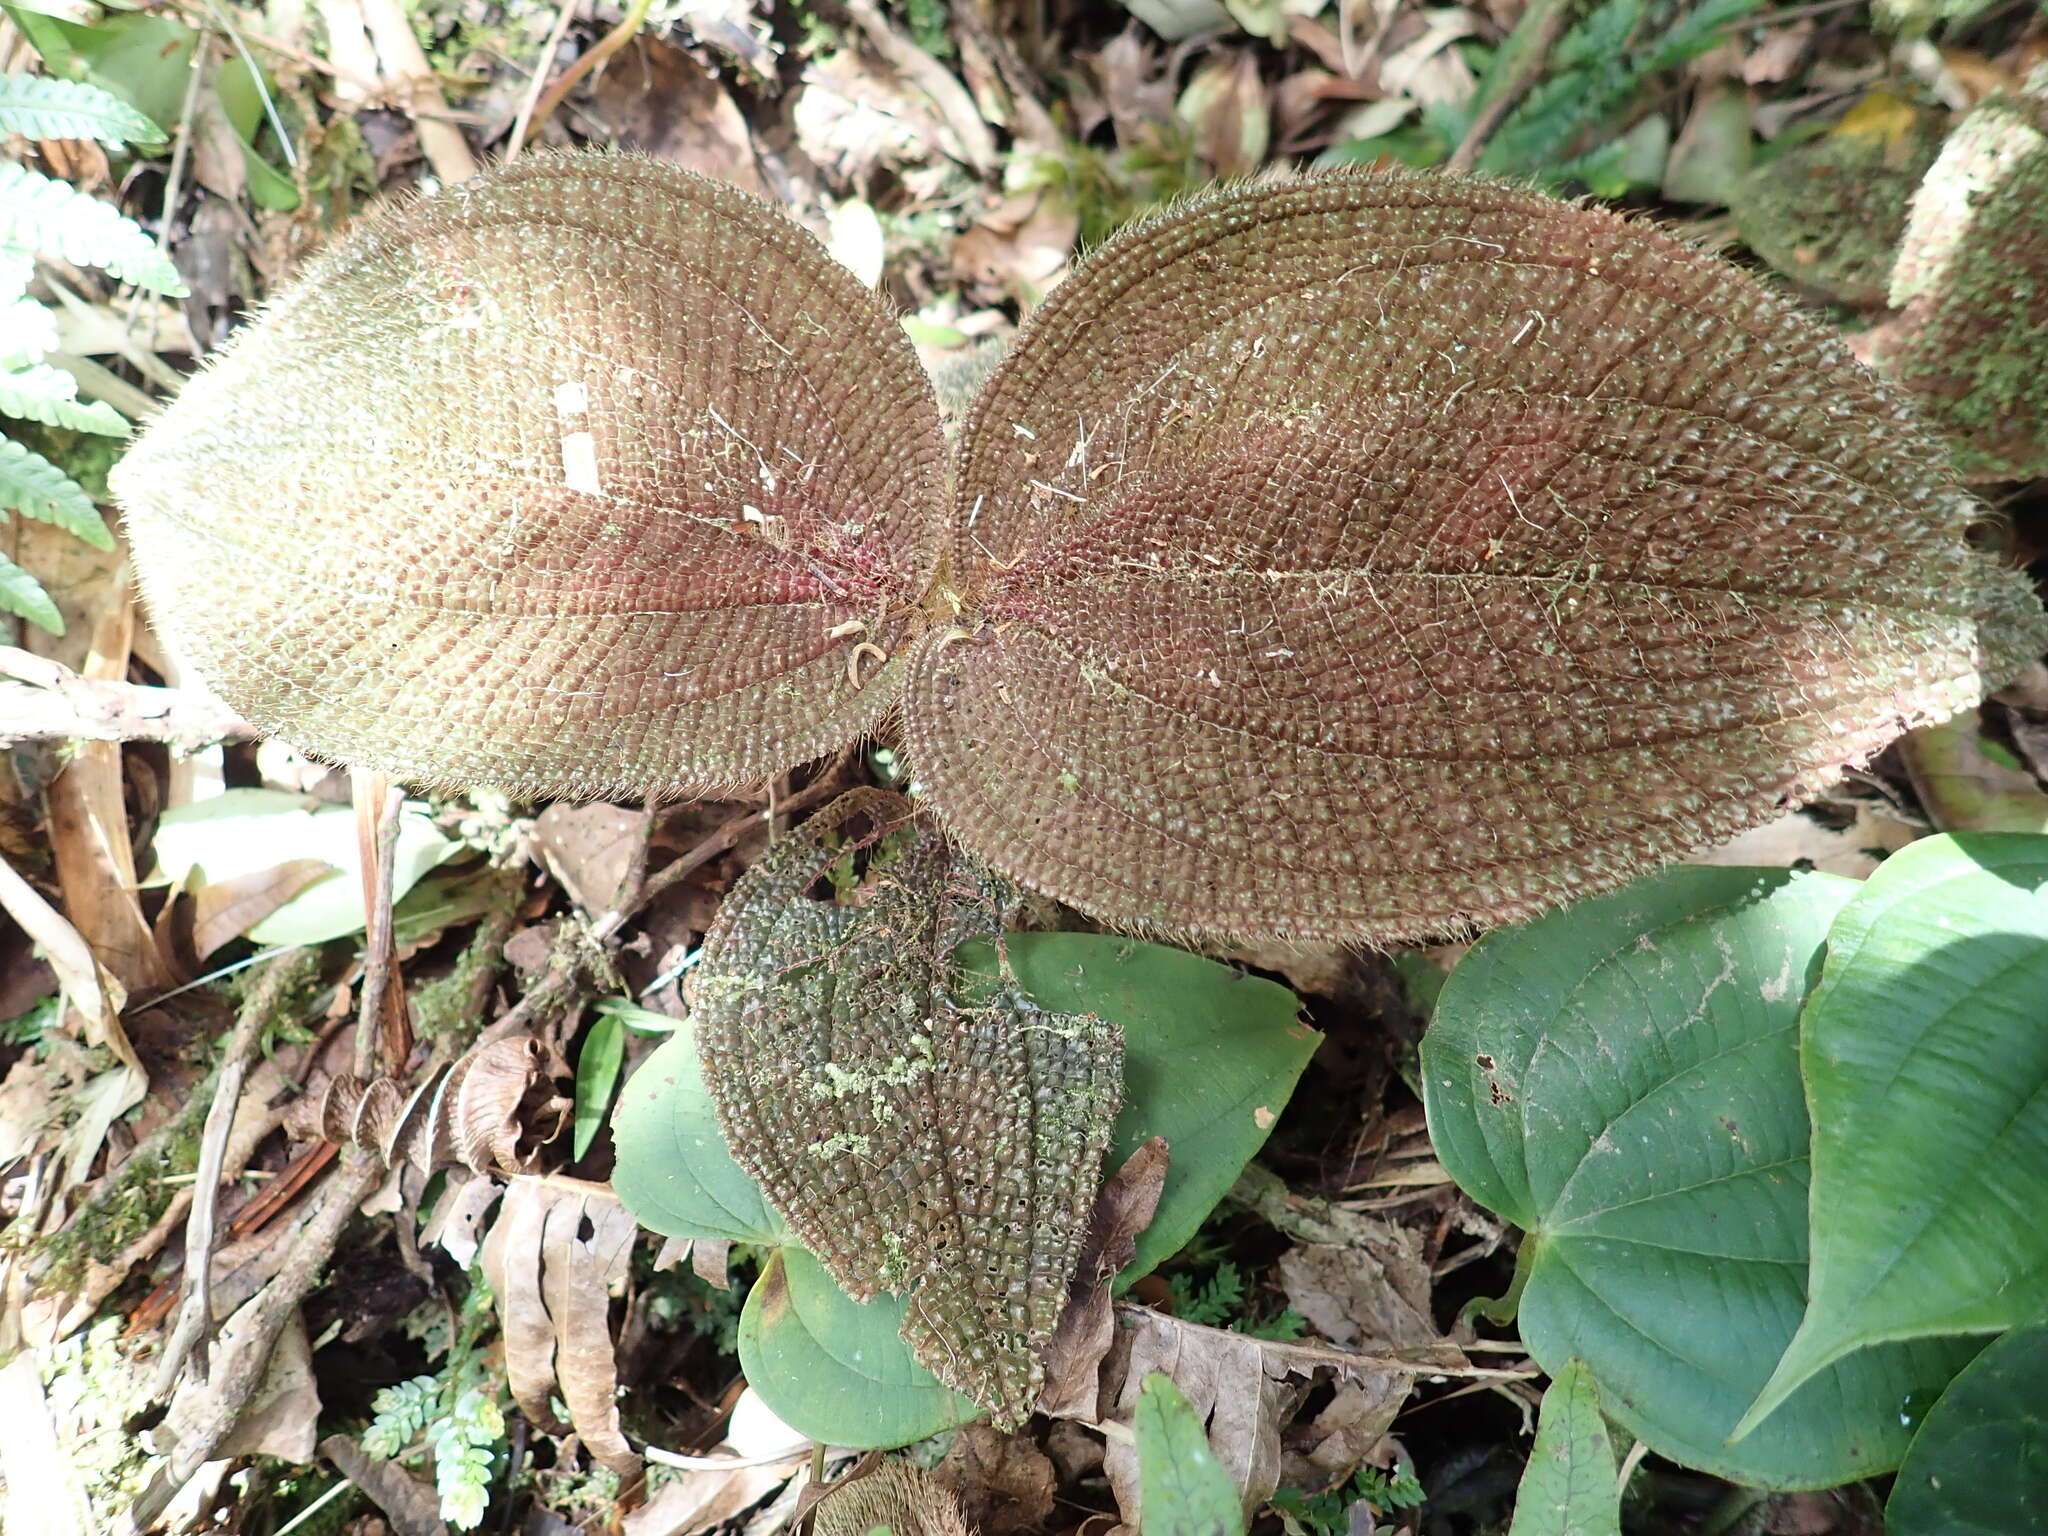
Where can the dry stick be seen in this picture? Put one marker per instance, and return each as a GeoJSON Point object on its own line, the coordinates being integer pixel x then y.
{"type": "Point", "coordinates": [1034, 124]}
{"type": "Point", "coordinates": [411, 80]}
{"type": "Point", "coordinates": [195, 1318]}
{"type": "Point", "coordinates": [261, 1320]}
{"type": "Point", "coordinates": [604, 48]}
{"type": "Point", "coordinates": [378, 804]}
{"type": "Point", "coordinates": [522, 124]}
{"type": "Point", "coordinates": [1522, 59]}
{"type": "Point", "coordinates": [977, 144]}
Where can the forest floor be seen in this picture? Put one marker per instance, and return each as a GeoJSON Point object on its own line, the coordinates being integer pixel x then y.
{"type": "Point", "coordinates": [958, 158]}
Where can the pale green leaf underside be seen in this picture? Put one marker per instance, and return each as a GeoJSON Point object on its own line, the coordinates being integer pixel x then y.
{"type": "Point", "coordinates": [21, 593]}
{"type": "Point", "coordinates": [50, 395]}
{"type": "Point", "coordinates": [32, 485]}
{"type": "Point", "coordinates": [50, 215]}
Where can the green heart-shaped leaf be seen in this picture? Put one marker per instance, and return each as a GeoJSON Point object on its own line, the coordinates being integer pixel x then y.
{"type": "Point", "coordinates": [1979, 1466]}
{"type": "Point", "coordinates": [1927, 1071]}
{"type": "Point", "coordinates": [1621, 1080]}
{"type": "Point", "coordinates": [674, 1172]}
{"type": "Point", "coordinates": [835, 1369]}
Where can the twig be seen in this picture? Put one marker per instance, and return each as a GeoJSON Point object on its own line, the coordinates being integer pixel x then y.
{"type": "Point", "coordinates": [411, 79]}
{"type": "Point", "coordinates": [977, 144]}
{"type": "Point", "coordinates": [1034, 124]}
{"type": "Point", "coordinates": [256, 1328]}
{"type": "Point", "coordinates": [174, 179]}
{"type": "Point", "coordinates": [378, 806]}
{"type": "Point", "coordinates": [195, 1318]}
{"type": "Point", "coordinates": [1517, 67]}
{"type": "Point", "coordinates": [602, 49]}
{"type": "Point", "coordinates": [43, 700]}
{"type": "Point", "coordinates": [522, 124]}
{"type": "Point", "coordinates": [284, 140]}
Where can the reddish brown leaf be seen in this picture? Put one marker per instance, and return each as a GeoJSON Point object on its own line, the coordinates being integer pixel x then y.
{"type": "Point", "coordinates": [224, 912]}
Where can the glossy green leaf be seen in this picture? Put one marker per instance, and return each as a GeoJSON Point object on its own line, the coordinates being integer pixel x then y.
{"type": "Point", "coordinates": [1927, 1073]}
{"type": "Point", "coordinates": [1211, 1056]}
{"type": "Point", "coordinates": [1621, 1080]}
{"type": "Point", "coordinates": [21, 593]}
{"type": "Point", "coordinates": [1979, 1466]}
{"type": "Point", "coordinates": [673, 1171]}
{"type": "Point", "coordinates": [834, 1369]}
{"type": "Point", "coordinates": [1183, 1489]}
{"type": "Point", "coordinates": [1569, 1487]}
{"type": "Point", "coordinates": [597, 1073]}
{"type": "Point", "coordinates": [246, 831]}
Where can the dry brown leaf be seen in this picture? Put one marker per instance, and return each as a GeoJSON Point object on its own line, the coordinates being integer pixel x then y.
{"type": "Point", "coordinates": [661, 101]}
{"type": "Point", "coordinates": [553, 1287]}
{"type": "Point", "coordinates": [409, 1503]}
{"type": "Point", "coordinates": [224, 912]}
{"type": "Point", "coordinates": [704, 1498]}
{"type": "Point", "coordinates": [579, 1273]}
{"type": "Point", "coordinates": [512, 1262]}
{"type": "Point", "coordinates": [593, 850]}
{"type": "Point", "coordinates": [1020, 246]}
{"type": "Point", "coordinates": [1073, 1358]}
{"type": "Point", "coordinates": [281, 1418]}
{"type": "Point", "coordinates": [1349, 1298]}
{"type": "Point", "coordinates": [1851, 843]}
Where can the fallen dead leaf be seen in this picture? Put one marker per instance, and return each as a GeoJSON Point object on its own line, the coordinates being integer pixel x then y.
{"type": "Point", "coordinates": [1003, 1484]}
{"type": "Point", "coordinates": [1848, 837]}
{"type": "Point", "coordinates": [1020, 247]}
{"type": "Point", "coordinates": [1073, 1357]}
{"type": "Point", "coordinates": [553, 1283]}
{"type": "Point", "coordinates": [408, 1502]}
{"type": "Point", "coordinates": [661, 101]}
{"type": "Point", "coordinates": [223, 913]}
{"type": "Point", "coordinates": [593, 850]}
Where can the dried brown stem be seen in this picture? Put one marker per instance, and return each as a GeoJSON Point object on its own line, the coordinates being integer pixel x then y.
{"type": "Point", "coordinates": [1530, 44]}
{"type": "Point", "coordinates": [378, 806]}
{"type": "Point", "coordinates": [977, 145]}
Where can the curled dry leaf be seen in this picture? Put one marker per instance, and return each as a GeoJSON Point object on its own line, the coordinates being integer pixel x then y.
{"type": "Point", "coordinates": [491, 1110]}
{"type": "Point", "coordinates": [552, 1281]}
{"type": "Point", "coordinates": [915, 1143]}
{"type": "Point", "coordinates": [1073, 1357]}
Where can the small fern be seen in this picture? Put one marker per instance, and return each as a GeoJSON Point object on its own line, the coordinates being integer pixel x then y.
{"type": "Point", "coordinates": [38, 213]}
{"type": "Point", "coordinates": [401, 1415]}
{"type": "Point", "coordinates": [43, 108]}
{"type": "Point", "coordinates": [462, 1444]}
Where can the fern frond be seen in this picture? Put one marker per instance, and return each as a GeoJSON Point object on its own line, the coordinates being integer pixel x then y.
{"type": "Point", "coordinates": [21, 593]}
{"type": "Point", "coordinates": [50, 215]}
{"type": "Point", "coordinates": [50, 395]}
{"type": "Point", "coordinates": [30, 484]}
{"type": "Point", "coordinates": [401, 1413]}
{"type": "Point", "coordinates": [27, 330]}
{"type": "Point", "coordinates": [43, 108]}
{"type": "Point", "coordinates": [17, 266]}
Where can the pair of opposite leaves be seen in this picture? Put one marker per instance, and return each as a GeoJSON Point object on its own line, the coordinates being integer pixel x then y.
{"type": "Point", "coordinates": [1356, 557]}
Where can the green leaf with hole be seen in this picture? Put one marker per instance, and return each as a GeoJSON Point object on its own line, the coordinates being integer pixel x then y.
{"type": "Point", "coordinates": [1211, 1056]}
{"type": "Point", "coordinates": [1927, 1074]}
{"type": "Point", "coordinates": [673, 1170]}
{"type": "Point", "coordinates": [1569, 1486]}
{"type": "Point", "coordinates": [836, 1369]}
{"type": "Point", "coordinates": [1183, 1489]}
{"type": "Point", "coordinates": [1621, 1080]}
{"type": "Point", "coordinates": [1979, 1466]}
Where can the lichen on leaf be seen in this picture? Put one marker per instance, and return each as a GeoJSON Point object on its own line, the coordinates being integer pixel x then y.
{"type": "Point", "coordinates": [914, 1143]}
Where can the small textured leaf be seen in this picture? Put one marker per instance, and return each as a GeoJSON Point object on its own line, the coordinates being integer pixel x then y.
{"type": "Point", "coordinates": [50, 395]}
{"type": "Point", "coordinates": [49, 215]}
{"type": "Point", "coordinates": [1568, 1488]}
{"type": "Point", "coordinates": [601, 478]}
{"type": "Point", "coordinates": [1182, 1487]}
{"type": "Point", "coordinates": [21, 593]}
{"type": "Point", "coordinates": [45, 108]}
{"type": "Point", "coordinates": [1928, 1018]}
{"type": "Point", "coordinates": [915, 1144]}
{"type": "Point", "coordinates": [1370, 555]}
{"type": "Point", "coordinates": [1979, 1466]}
{"type": "Point", "coordinates": [1621, 1080]}
{"type": "Point", "coordinates": [31, 484]}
